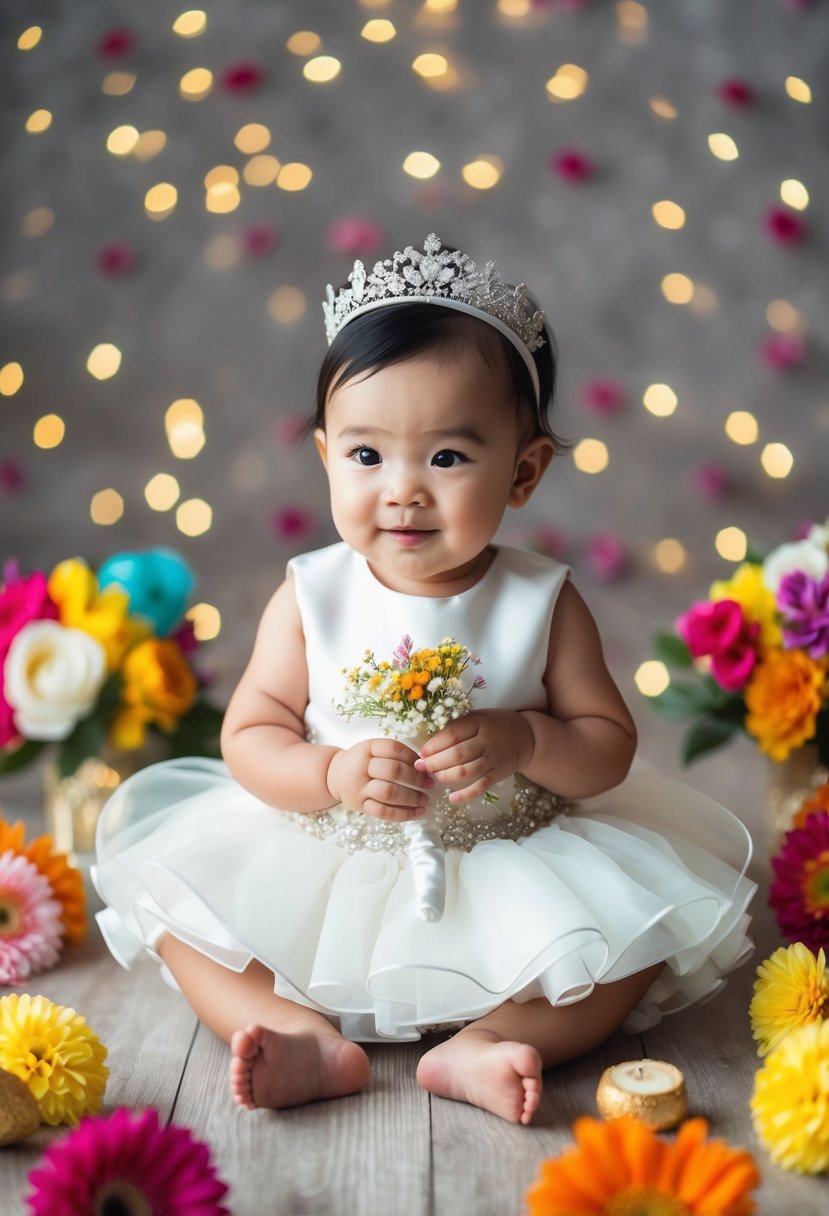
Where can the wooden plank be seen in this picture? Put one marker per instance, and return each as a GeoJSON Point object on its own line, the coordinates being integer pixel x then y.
{"type": "Point", "coordinates": [483, 1164]}
{"type": "Point", "coordinates": [713, 1046]}
{"type": "Point", "coordinates": [368, 1153]}
{"type": "Point", "coordinates": [145, 1026]}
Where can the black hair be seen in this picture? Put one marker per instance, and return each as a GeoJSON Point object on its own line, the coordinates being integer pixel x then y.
{"type": "Point", "coordinates": [385, 336]}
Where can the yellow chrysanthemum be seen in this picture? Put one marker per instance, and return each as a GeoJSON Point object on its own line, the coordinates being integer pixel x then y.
{"type": "Point", "coordinates": [791, 990]}
{"type": "Point", "coordinates": [103, 615]}
{"type": "Point", "coordinates": [159, 688]}
{"type": "Point", "coordinates": [59, 1057]}
{"type": "Point", "coordinates": [65, 880]}
{"type": "Point", "coordinates": [783, 699]}
{"type": "Point", "coordinates": [622, 1168]}
{"type": "Point", "coordinates": [790, 1103]}
{"type": "Point", "coordinates": [747, 588]}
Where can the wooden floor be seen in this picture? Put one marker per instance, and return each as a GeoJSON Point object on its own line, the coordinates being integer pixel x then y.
{"type": "Point", "coordinates": [392, 1150]}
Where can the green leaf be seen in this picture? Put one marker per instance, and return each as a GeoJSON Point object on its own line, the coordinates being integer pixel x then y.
{"type": "Point", "coordinates": [707, 734]}
{"type": "Point", "coordinates": [683, 701]}
{"type": "Point", "coordinates": [86, 740]}
{"type": "Point", "coordinates": [671, 650]}
{"type": "Point", "coordinates": [13, 761]}
{"type": "Point", "coordinates": [198, 733]}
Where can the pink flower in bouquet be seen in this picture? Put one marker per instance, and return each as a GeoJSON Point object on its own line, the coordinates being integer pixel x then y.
{"type": "Point", "coordinates": [799, 895]}
{"type": "Point", "coordinates": [8, 731]}
{"type": "Point", "coordinates": [720, 631]}
{"type": "Point", "coordinates": [804, 603]}
{"type": "Point", "coordinates": [23, 600]}
{"type": "Point", "coordinates": [782, 352]}
{"type": "Point", "coordinates": [30, 920]}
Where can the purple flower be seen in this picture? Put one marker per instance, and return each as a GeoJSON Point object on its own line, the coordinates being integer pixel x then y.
{"type": "Point", "coordinates": [403, 651]}
{"type": "Point", "coordinates": [804, 602]}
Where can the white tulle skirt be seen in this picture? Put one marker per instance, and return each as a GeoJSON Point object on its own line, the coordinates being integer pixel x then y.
{"type": "Point", "coordinates": [649, 872]}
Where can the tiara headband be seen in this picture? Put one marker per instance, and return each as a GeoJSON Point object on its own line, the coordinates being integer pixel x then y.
{"type": "Point", "coordinates": [440, 276]}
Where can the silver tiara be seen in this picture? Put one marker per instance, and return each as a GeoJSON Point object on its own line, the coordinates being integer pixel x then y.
{"type": "Point", "coordinates": [444, 276]}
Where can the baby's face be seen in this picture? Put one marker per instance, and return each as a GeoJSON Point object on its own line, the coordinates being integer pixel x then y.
{"type": "Point", "coordinates": [421, 460]}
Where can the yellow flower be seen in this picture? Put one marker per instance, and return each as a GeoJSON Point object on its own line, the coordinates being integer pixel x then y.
{"type": "Point", "coordinates": [783, 698]}
{"type": "Point", "coordinates": [159, 688]}
{"type": "Point", "coordinates": [103, 615]}
{"type": "Point", "coordinates": [51, 1048]}
{"type": "Point", "coordinates": [746, 587]}
{"type": "Point", "coordinates": [622, 1168]}
{"type": "Point", "coordinates": [790, 1103]}
{"type": "Point", "coordinates": [791, 990]}
{"type": "Point", "coordinates": [416, 693]}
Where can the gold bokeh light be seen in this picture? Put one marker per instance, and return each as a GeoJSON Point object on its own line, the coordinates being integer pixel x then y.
{"type": "Point", "coordinates": [194, 517]}
{"type": "Point", "coordinates": [38, 221]}
{"type": "Point", "coordinates": [118, 84]}
{"type": "Point", "coordinates": [39, 120]}
{"type": "Point", "coordinates": [30, 38]}
{"type": "Point", "coordinates": [722, 146]}
{"type": "Point", "coordinates": [294, 176]}
{"type": "Point", "coordinates": [149, 145]}
{"type": "Point", "coordinates": [731, 543]}
{"type": "Point", "coordinates": [663, 107]}
{"type": "Point", "coordinates": [741, 427]}
{"type": "Point", "coordinates": [483, 173]}
{"type": "Point", "coordinates": [677, 288]}
{"type": "Point", "coordinates": [222, 199]}
{"type": "Point", "coordinates": [252, 137]}
{"type": "Point", "coordinates": [287, 304]}
{"type": "Point", "coordinates": [794, 194]}
{"type": "Point", "coordinates": [784, 317]}
{"type": "Point", "coordinates": [11, 379]}
{"type": "Point", "coordinates": [104, 361]}
{"type": "Point", "coordinates": [49, 431]}
{"type": "Point", "coordinates": [321, 69]}
{"type": "Point", "coordinates": [106, 507]}
{"type": "Point", "coordinates": [798, 90]}
{"type": "Point", "coordinates": [160, 201]}
{"type": "Point", "coordinates": [261, 170]}
{"type": "Point", "coordinates": [660, 400]}
{"type": "Point", "coordinates": [651, 677]}
{"type": "Point", "coordinates": [222, 252]}
{"type": "Point", "coordinates": [196, 84]}
{"type": "Point", "coordinates": [569, 82]}
{"type": "Point", "coordinates": [303, 42]}
{"type": "Point", "coordinates": [185, 409]}
{"type": "Point", "coordinates": [162, 492]}
{"type": "Point", "coordinates": [668, 214]}
{"type": "Point", "coordinates": [207, 621]}
{"type": "Point", "coordinates": [122, 140]}
{"type": "Point", "coordinates": [421, 165]}
{"type": "Point", "coordinates": [591, 456]}
{"type": "Point", "coordinates": [777, 460]}
{"type": "Point", "coordinates": [190, 24]}
{"type": "Point", "coordinates": [669, 555]}
{"type": "Point", "coordinates": [378, 30]}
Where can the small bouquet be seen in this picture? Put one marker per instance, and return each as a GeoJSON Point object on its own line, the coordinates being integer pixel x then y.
{"type": "Point", "coordinates": [90, 659]}
{"type": "Point", "coordinates": [758, 648]}
{"type": "Point", "coordinates": [414, 695]}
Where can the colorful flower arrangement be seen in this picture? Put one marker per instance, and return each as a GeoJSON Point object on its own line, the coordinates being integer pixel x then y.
{"type": "Point", "coordinates": [416, 692]}
{"type": "Point", "coordinates": [42, 904]}
{"type": "Point", "coordinates": [88, 659]}
{"type": "Point", "coordinates": [759, 647]}
{"type": "Point", "coordinates": [624, 1166]}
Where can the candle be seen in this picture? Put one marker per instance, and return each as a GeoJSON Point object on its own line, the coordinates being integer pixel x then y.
{"type": "Point", "coordinates": [652, 1090]}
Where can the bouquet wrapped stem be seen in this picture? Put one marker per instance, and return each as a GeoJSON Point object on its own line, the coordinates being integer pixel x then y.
{"type": "Point", "coordinates": [413, 695]}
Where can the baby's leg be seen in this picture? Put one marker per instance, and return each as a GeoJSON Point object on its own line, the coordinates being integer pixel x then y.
{"type": "Point", "coordinates": [283, 1053]}
{"type": "Point", "coordinates": [497, 1061]}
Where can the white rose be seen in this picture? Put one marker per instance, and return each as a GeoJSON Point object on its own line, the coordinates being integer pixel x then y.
{"type": "Point", "coordinates": [52, 676]}
{"type": "Point", "coordinates": [798, 555]}
{"type": "Point", "coordinates": [819, 534]}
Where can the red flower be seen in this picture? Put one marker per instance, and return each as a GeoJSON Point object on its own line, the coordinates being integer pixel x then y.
{"type": "Point", "coordinates": [242, 77]}
{"type": "Point", "coordinates": [571, 165]}
{"type": "Point", "coordinates": [115, 43]}
{"type": "Point", "coordinates": [736, 92]}
{"type": "Point", "coordinates": [783, 351]}
{"type": "Point", "coordinates": [799, 895]}
{"type": "Point", "coordinates": [116, 258]}
{"type": "Point", "coordinates": [784, 226]}
{"type": "Point", "coordinates": [721, 631]}
{"type": "Point", "coordinates": [602, 396]}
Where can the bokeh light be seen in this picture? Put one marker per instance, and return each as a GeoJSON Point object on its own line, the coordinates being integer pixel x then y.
{"type": "Point", "coordinates": [190, 24]}
{"type": "Point", "coordinates": [794, 194]}
{"type": "Point", "coordinates": [321, 69]}
{"type": "Point", "coordinates": [677, 288]}
{"type": "Point", "coordinates": [741, 427]}
{"type": "Point", "coordinates": [49, 431]}
{"type": "Point", "coordinates": [162, 492]}
{"type": "Point", "coordinates": [483, 173]}
{"type": "Point", "coordinates": [777, 460]}
{"type": "Point", "coordinates": [798, 89]}
{"type": "Point", "coordinates": [11, 379]}
{"type": "Point", "coordinates": [104, 361]}
{"type": "Point", "coordinates": [106, 507]}
{"type": "Point", "coordinates": [39, 120]}
{"type": "Point", "coordinates": [660, 400]}
{"type": "Point", "coordinates": [591, 456]}
{"type": "Point", "coordinates": [37, 222]}
{"type": "Point", "coordinates": [303, 42]}
{"type": "Point", "coordinates": [421, 165]}
{"type": "Point", "coordinates": [731, 543]}
{"type": "Point", "coordinates": [668, 214]}
{"type": "Point", "coordinates": [252, 137]}
{"type": "Point", "coordinates": [723, 146]}
{"type": "Point", "coordinates": [294, 176]}
{"type": "Point", "coordinates": [378, 30]}
{"type": "Point", "coordinates": [160, 201]}
{"type": "Point", "coordinates": [194, 517]}
{"type": "Point", "coordinates": [651, 677]}
{"type": "Point", "coordinates": [287, 304]}
{"type": "Point", "coordinates": [669, 555]}
{"type": "Point", "coordinates": [206, 620]}
{"type": "Point", "coordinates": [196, 84]}
{"type": "Point", "coordinates": [30, 38]}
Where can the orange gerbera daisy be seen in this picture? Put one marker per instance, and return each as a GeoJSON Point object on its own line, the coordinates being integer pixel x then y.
{"type": "Point", "coordinates": [819, 801]}
{"type": "Point", "coordinates": [65, 880]}
{"type": "Point", "coordinates": [622, 1168]}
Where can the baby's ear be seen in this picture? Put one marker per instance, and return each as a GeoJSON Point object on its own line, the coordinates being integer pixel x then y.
{"type": "Point", "coordinates": [322, 445]}
{"type": "Point", "coordinates": [529, 469]}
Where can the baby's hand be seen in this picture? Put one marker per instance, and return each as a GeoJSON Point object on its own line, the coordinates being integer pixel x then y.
{"type": "Point", "coordinates": [375, 777]}
{"type": "Point", "coordinates": [477, 751]}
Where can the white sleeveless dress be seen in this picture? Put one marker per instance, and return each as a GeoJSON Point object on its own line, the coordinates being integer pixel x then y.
{"type": "Point", "coordinates": [545, 898]}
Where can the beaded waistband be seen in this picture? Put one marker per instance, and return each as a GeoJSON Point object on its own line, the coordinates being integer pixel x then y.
{"type": "Point", "coordinates": [530, 808]}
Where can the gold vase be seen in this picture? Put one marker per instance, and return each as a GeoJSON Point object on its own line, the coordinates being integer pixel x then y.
{"type": "Point", "coordinates": [788, 785]}
{"type": "Point", "coordinates": [73, 804]}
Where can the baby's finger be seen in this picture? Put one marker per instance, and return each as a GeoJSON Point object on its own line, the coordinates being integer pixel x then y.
{"type": "Point", "coordinates": [471, 770]}
{"type": "Point", "coordinates": [470, 792]}
{"type": "Point", "coordinates": [398, 772]}
{"type": "Point", "coordinates": [381, 810]}
{"type": "Point", "coordinates": [393, 749]}
{"type": "Point", "coordinates": [456, 732]}
{"type": "Point", "coordinates": [390, 794]}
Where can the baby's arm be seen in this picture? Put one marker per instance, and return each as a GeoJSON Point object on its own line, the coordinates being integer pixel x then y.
{"type": "Point", "coordinates": [582, 745]}
{"type": "Point", "coordinates": [263, 735]}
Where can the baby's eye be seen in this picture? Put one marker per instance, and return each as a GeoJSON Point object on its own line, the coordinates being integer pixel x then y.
{"type": "Point", "coordinates": [365, 456]}
{"type": "Point", "coordinates": [447, 459]}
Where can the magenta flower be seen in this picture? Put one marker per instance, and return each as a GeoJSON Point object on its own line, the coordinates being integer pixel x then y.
{"type": "Point", "coordinates": [242, 77]}
{"type": "Point", "coordinates": [12, 477]}
{"type": "Point", "coordinates": [8, 731]}
{"type": "Point", "coordinates": [354, 234]}
{"type": "Point", "coordinates": [571, 165]}
{"type": "Point", "coordinates": [116, 258]}
{"type": "Point", "coordinates": [782, 352]}
{"type": "Point", "coordinates": [125, 1163]}
{"type": "Point", "coordinates": [115, 43]}
{"type": "Point", "coordinates": [30, 920]}
{"type": "Point", "coordinates": [602, 396]}
{"type": "Point", "coordinates": [25, 599]}
{"type": "Point", "coordinates": [606, 556]}
{"type": "Point", "coordinates": [720, 631]}
{"type": "Point", "coordinates": [784, 226]}
{"type": "Point", "coordinates": [799, 894]}
{"type": "Point", "coordinates": [736, 92]}
{"type": "Point", "coordinates": [292, 523]}
{"type": "Point", "coordinates": [804, 603]}
{"type": "Point", "coordinates": [711, 480]}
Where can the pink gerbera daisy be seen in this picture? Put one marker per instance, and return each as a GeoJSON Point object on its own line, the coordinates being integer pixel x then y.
{"type": "Point", "coordinates": [126, 1163]}
{"type": "Point", "coordinates": [799, 895]}
{"type": "Point", "coordinates": [30, 920]}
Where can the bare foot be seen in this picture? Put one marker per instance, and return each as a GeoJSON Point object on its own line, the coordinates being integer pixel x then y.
{"type": "Point", "coordinates": [479, 1068]}
{"type": "Point", "coordinates": [270, 1069]}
